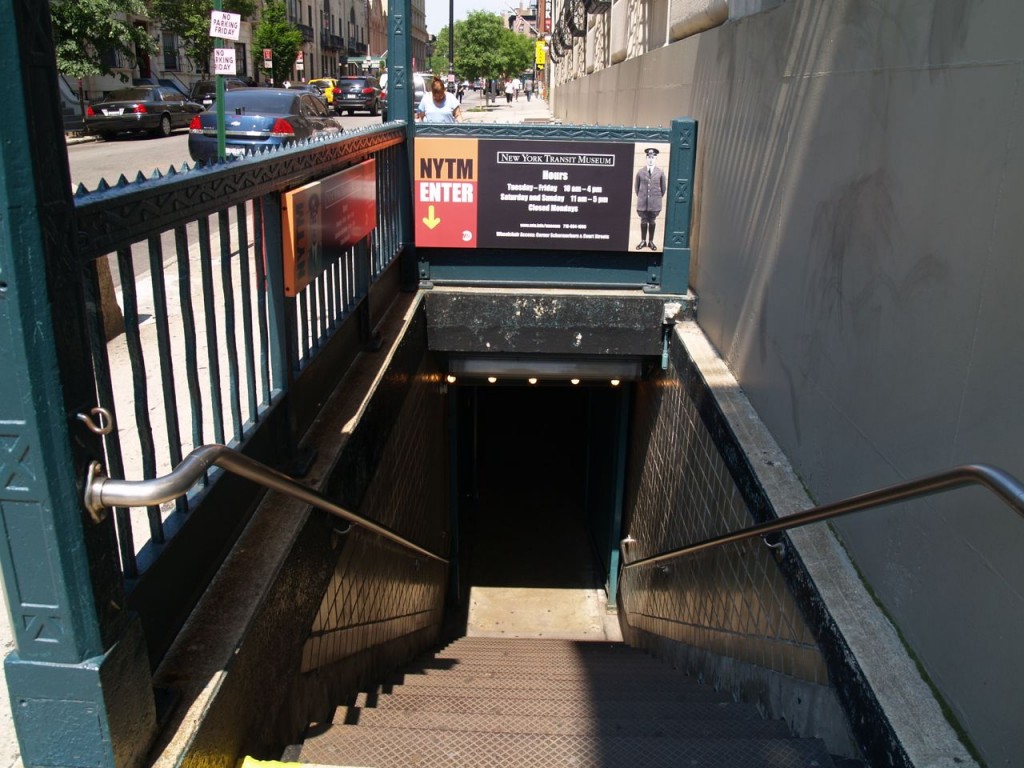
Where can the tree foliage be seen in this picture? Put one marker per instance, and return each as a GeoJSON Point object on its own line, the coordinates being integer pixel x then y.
{"type": "Point", "coordinates": [438, 63]}
{"type": "Point", "coordinates": [275, 32]}
{"type": "Point", "coordinates": [484, 47]}
{"type": "Point", "coordinates": [190, 21]}
{"type": "Point", "coordinates": [85, 31]}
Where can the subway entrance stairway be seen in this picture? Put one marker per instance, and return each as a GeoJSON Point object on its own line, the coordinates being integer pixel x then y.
{"type": "Point", "coordinates": [537, 702]}
{"type": "Point", "coordinates": [535, 672]}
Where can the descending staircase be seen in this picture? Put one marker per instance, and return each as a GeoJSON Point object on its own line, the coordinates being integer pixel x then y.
{"type": "Point", "coordinates": [515, 702]}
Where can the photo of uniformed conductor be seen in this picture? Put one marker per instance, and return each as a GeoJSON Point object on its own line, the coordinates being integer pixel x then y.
{"type": "Point", "coordinates": [649, 187]}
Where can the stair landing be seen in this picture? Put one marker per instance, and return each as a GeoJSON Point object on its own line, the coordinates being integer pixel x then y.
{"type": "Point", "coordinates": [520, 612]}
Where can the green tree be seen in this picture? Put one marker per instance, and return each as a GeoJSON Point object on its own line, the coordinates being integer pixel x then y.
{"type": "Point", "coordinates": [518, 52]}
{"type": "Point", "coordinates": [484, 47]}
{"type": "Point", "coordinates": [190, 21]}
{"type": "Point", "coordinates": [275, 32]}
{"type": "Point", "coordinates": [438, 62]}
{"type": "Point", "coordinates": [85, 31]}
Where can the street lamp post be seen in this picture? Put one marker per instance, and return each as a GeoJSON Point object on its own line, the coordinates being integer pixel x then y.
{"type": "Point", "coordinates": [451, 45]}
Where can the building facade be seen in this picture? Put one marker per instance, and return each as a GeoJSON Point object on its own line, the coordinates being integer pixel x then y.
{"type": "Point", "coordinates": [339, 37]}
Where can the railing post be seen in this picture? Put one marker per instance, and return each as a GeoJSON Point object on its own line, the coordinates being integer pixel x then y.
{"type": "Point", "coordinates": [283, 337]}
{"type": "Point", "coordinates": [675, 269]}
{"type": "Point", "coordinates": [79, 679]}
{"type": "Point", "coordinates": [400, 107]}
{"type": "Point", "coordinates": [280, 309]}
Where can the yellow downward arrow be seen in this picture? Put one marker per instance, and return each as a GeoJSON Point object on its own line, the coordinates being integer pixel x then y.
{"type": "Point", "coordinates": [431, 221]}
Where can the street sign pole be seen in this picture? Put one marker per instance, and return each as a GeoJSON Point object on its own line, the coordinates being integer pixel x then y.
{"type": "Point", "coordinates": [219, 43]}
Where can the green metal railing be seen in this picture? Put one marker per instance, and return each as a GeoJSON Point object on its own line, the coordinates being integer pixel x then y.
{"type": "Point", "coordinates": [210, 341]}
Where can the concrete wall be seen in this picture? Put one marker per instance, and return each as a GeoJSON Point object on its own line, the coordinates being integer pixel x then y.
{"type": "Point", "coordinates": [860, 178]}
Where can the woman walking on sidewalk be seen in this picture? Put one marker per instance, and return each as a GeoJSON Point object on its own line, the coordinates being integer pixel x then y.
{"type": "Point", "coordinates": [509, 90]}
{"type": "Point", "coordinates": [438, 106]}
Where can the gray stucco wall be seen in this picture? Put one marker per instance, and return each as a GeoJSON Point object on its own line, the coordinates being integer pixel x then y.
{"type": "Point", "coordinates": [859, 188]}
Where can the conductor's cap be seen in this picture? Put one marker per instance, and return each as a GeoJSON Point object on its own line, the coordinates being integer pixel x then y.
{"type": "Point", "coordinates": [651, 152]}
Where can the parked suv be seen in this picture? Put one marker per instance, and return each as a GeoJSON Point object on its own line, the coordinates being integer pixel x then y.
{"type": "Point", "coordinates": [358, 92]}
{"type": "Point", "coordinates": [205, 91]}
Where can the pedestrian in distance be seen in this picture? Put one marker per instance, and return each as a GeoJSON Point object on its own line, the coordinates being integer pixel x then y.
{"type": "Point", "coordinates": [509, 90]}
{"type": "Point", "coordinates": [439, 105]}
{"type": "Point", "coordinates": [528, 87]}
{"type": "Point", "coordinates": [517, 85]}
{"type": "Point", "coordinates": [650, 187]}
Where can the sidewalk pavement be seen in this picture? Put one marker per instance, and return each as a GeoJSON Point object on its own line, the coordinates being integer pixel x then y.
{"type": "Point", "coordinates": [476, 110]}
{"type": "Point", "coordinates": [10, 754]}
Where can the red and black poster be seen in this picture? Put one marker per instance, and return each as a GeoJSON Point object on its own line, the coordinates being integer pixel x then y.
{"type": "Point", "coordinates": [323, 218]}
{"type": "Point", "coordinates": [509, 194]}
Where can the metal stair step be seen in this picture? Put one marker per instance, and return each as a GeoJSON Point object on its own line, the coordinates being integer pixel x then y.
{"type": "Point", "coordinates": [533, 645]}
{"type": "Point", "coordinates": [566, 664]}
{"type": "Point", "coordinates": [392, 747]}
{"type": "Point", "coordinates": [580, 707]}
{"type": "Point", "coordinates": [553, 682]}
{"type": "Point", "coordinates": [618, 676]}
{"type": "Point", "coordinates": [533, 642]}
{"type": "Point", "coordinates": [537, 648]}
{"type": "Point", "coordinates": [545, 664]}
{"type": "Point", "coordinates": [541, 694]}
{"type": "Point", "coordinates": [543, 723]}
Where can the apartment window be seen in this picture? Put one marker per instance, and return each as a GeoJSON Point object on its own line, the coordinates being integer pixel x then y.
{"type": "Point", "coordinates": [241, 60]}
{"type": "Point", "coordinates": [169, 44]}
{"type": "Point", "coordinates": [110, 59]}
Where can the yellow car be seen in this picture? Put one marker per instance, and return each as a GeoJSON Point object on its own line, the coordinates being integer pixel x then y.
{"type": "Point", "coordinates": [329, 86]}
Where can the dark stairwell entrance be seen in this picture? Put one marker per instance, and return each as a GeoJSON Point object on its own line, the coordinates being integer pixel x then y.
{"type": "Point", "coordinates": [535, 514]}
{"type": "Point", "coordinates": [539, 479]}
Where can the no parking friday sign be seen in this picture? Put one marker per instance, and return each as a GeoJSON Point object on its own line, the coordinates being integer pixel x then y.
{"type": "Point", "coordinates": [502, 193]}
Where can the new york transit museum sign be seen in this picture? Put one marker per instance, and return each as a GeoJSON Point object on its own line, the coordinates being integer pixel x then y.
{"type": "Point", "coordinates": [500, 193]}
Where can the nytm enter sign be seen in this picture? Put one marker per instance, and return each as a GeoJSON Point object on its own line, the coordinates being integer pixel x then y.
{"type": "Point", "coordinates": [446, 193]}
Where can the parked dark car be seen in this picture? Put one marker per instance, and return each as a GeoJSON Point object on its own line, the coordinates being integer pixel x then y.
{"type": "Point", "coordinates": [308, 88]}
{"type": "Point", "coordinates": [255, 118]}
{"type": "Point", "coordinates": [205, 91]}
{"type": "Point", "coordinates": [155, 109]}
{"type": "Point", "coordinates": [357, 92]}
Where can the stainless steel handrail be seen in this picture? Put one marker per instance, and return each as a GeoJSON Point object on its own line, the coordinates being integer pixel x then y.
{"type": "Point", "coordinates": [1003, 484]}
{"type": "Point", "coordinates": [102, 492]}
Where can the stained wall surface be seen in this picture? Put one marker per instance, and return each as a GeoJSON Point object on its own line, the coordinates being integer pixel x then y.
{"type": "Point", "coordinates": [857, 258]}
